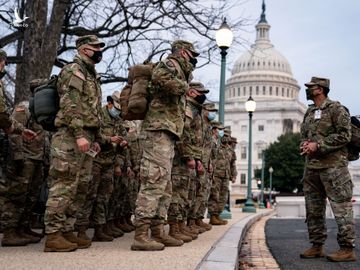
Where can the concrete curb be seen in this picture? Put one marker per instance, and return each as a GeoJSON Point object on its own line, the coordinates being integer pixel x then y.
{"type": "Point", "coordinates": [224, 254]}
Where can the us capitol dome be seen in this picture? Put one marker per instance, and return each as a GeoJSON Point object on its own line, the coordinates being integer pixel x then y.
{"type": "Point", "coordinates": [264, 74]}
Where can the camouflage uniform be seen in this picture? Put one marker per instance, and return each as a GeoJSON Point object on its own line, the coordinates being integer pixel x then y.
{"type": "Point", "coordinates": [101, 186]}
{"type": "Point", "coordinates": [25, 171]}
{"type": "Point", "coordinates": [70, 170]}
{"type": "Point", "coordinates": [188, 148]}
{"type": "Point", "coordinates": [163, 124]}
{"type": "Point", "coordinates": [326, 174]}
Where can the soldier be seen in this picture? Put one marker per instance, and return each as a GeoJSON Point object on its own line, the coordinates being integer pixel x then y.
{"type": "Point", "coordinates": [209, 114]}
{"type": "Point", "coordinates": [325, 131]}
{"type": "Point", "coordinates": [74, 144]}
{"type": "Point", "coordinates": [220, 181]}
{"type": "Point", "coordinates": [187, 161]}
{"type": "Point", "coordinates": [11, 196]}
{"type": "Point", "coordinates": [233, 170]}
{"type": "Point", "coordinates": [162, 126]}
{"type": "Point", "coordinates": [101, 186]}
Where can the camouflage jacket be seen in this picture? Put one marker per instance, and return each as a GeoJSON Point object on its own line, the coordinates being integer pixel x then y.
{"type": "Point", "coordinates": [80, 98]}
{"type": "Point", "coordinates": [329, 126]}
{"type": "Point", "coordinates": [208, 143]}
{"type": "Point", "coordinates": [5, 120]}
{"type": "Point", "coordinates": [135, 150]}
{"type": "Point", "coordinates": [232, 159]}
{"type": "Point", "coordinates": [111, 153]}
{"type": "Point", "coordinates": [169, 83]}
{"type": "Point", "coordinates": [20, 148]}
{"type": "Point", "coordinates": [222, 163]}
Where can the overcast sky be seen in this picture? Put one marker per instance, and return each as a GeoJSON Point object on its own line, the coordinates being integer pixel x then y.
{"type": "Point", "coordinates": [318, 37]}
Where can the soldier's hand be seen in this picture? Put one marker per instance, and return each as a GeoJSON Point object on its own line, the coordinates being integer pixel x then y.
{"type": "Point", "coordinates": [200, 168]}
{"type": "Point", "coordinates": [191, 164]}
{"type": "Point", "coordinates": [124, 143]}
{"type": "Point", "coordinates": [130, 173]}
{"type": "Point", "coordinates": [117, 171]}
{"type": "Point", "coordinates": [97, 147]}
{"type": "Point", "coordinates": [28, 135]}
{"type": "Point", "coordinates": [83, 144]}
{"type": "Point", "coordinates": [116, 139]}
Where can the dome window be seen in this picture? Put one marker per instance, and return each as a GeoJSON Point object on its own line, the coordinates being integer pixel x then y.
{"type": "Point", "coordinates": [257, 90]}
{"type": "Point", "coordinates": [244, 91]}
{"type": "Point", "coordinates": [239, 94]}
{"type": "Point", "coordinates": [277, 91]}
{"type": "Point", "coordinates": [282, 91]}
{"type": "Point", "coordinates": [270, 91]}
{"type": "Point", "coordinates": [264, 90]}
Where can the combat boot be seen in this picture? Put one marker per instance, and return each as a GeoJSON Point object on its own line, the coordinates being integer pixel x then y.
{"type": "Point", "coordinates": [28, 230]}
{"type": "Point", "coordinates": [32, 239]}
{"type": "Point", "coordinates": [186, 231]}
{"type": "Point", "coordinates": [344, 254]}
{"type": "Point", "coordinates": [199, 222]}
{"type": "Point", "coordinates": [122, 225]}
{"type": "Point", "coordinates": [55, 242]}
{"type": "Point", "coordinates": [223, 222]}
{"type": "Point", "coordinates": [159, 235]}
{"type": "Point", "coordinates": [192, 224]}
{"type": "Point", "coordinates": [116, 232]}
{"type": "Point", "coordinates": [129, 222]}
{"type": "Point", "coordinates": [100, 236]}
{"type": "Point", "coordinates": [82, 233]}
{"type": "Point", "coordinates": [141, 238]}
{"type": "Point", "coordinates": [81, 243]}
{"type": "Point", "coordinates": [175, 232]}
{"type": "Point", "coordinates": [316, 251]}
{"type": "Point", "coordinates": [12, 239]}
{"type": "Point", "coordinates": [214, 220]}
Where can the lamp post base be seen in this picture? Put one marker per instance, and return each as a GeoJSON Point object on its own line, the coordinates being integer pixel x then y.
{"type": "Point", "coordinates": [249, 207]}
{"type": "Point", "coordinates": [226, 214]}
{"type": "Point", "coordinates": [261, 205]}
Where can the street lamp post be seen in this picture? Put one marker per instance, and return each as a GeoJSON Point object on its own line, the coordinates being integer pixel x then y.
{"type": "Point", "coordinates": [224, 38]}
{"type": "Point", "coordinates": [250, 106]}
{"type": "Point", "coordinates": [271, 170]}
{"type": "Point", "coordinates": [261, 204]}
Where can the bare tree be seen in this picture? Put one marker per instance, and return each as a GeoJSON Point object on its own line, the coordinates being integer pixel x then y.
{"type": "Point", "coordinates": [133, 31]}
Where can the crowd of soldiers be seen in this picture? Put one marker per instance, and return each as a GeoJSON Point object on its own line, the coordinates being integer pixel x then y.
{"type": "Point", "coordinates": [111, 174]}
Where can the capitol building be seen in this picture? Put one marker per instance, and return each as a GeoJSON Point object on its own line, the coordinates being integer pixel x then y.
{"type": "Point", "coordinates": [264, 74]}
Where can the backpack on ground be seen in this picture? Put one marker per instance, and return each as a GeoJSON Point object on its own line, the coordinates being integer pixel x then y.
{"type": "Point", "coordinates": [134, 96]}
{"type": "Point", "coordinates": [44, 104]}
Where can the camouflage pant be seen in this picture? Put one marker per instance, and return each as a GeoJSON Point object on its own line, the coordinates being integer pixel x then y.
{"type": "Point", "coordinates": [98, 195]}
{"type": "Point", "coordinates": [218, 195]}
{"type": "Point", "coordinates": [115, 201]}
{"type": "Point", "coordinates": [334, 184]}
{"type": "Point", "coordinates": [201, 212]}
{"type": "Point", "coordinates": [134, 190]}
{"type": "Point", "coordinates": [200, 198]}
{"type": "Point", "coordinates": [70, 174]}
{"type": "Point", "coordinates": [155, 174]}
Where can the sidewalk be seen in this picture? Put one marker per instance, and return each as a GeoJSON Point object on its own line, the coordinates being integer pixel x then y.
{"type": "Point", "coordinates": [117, 254]}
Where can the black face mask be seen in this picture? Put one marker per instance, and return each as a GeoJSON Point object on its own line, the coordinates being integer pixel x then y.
{"type": "Point", "coordinates": [193, 61]}
{"type": "Point", "coordinates": [200, 99]}
{"type": "Point", "coordinates": [96, 57]}
{"type": "Point", "coordinates": [309, 93]}
{"type": "Point", "coordinates": [2, 74]}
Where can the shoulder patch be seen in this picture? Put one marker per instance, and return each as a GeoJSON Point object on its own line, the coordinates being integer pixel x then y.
{"type": "Point", "coordinates": [169, 63]}
{"type": "Point", "coordinates": [76, 82]}
{"type": "Point", "coordinates": [79, 74]}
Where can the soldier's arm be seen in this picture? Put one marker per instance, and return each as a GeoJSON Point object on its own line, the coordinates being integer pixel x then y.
{"type": "Point", "coordinates": [16, 141]}
{"type": "Point", "coordinates": [70, 85]}
{"type": "Point", "coordinates": [342, 135]}
{"type": "Point", "coordinates": [167, 78]}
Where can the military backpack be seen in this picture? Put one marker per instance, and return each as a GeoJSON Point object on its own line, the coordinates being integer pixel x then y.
{"type": "Point", "coordinates": [134, 96]}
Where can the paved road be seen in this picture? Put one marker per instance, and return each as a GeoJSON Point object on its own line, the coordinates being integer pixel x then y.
{"type": "Point", "coordinates": [287, 238]}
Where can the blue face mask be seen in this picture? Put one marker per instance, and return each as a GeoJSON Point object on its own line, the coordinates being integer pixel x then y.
{"type": "Point", "coordinates": [221, 133]}
{"type": "Point", "coordinates": [114, 113]}
{"type": "Point", "coordinates": [211, 116]}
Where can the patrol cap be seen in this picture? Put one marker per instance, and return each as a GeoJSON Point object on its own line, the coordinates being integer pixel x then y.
{"type": "Point", "coordinates": [183, 44]}
{"type": "Point", "coordinates": [3, 55]}
{"type": "Point", "coordinates": [116, 100]}
{"type": "Point", "coordinates": [227, 131]}
{"type": "Point", "coordinates": [323, 82]}
{"type": "Point", "coordinates": [210, 107]}
{"type": "Point", "coordinates": [198, 86]}
{"type": "Point", "coordinates": [90, 40]}
{"type": "Point", "coordinates": [216, 124]}
{"type": "Point", "coordinates": [233, 139]}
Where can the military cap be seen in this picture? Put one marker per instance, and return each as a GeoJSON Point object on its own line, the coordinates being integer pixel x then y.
{"type": "Point", "coordinates": [323, 82]}
{"type": "Point", "coordinates": [227, 131]}
{"type": "Point", "coordinates": [116, 100]}
{"type": "Point", "coordinates": [233, 139]}
{"type": "Point", "coordinates": [216, 124]}
{"type": "Point", "coordinates": [198, 86]}
{"type": "Point", "coordinates": [3, 55]}
{"type": "Point", "coordinates": [90, 40]}
{"type": "Point", "coordinates": [210, 107]}
{"type": "Point", "coordinates": [183, 44]}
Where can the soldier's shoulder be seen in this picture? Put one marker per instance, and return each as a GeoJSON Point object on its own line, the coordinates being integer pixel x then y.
{"type": "Point", "coordinates": [73, 75]}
